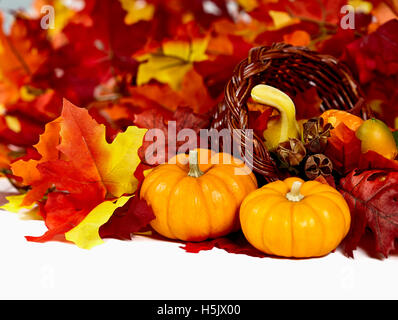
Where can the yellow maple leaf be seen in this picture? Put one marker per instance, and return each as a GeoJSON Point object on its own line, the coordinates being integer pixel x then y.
{"type": "Point", "coordinates": [123, 159]}
{"type": "Point", "coordinates": [137, 10]}
{"type": "Point", "coordinates": [248, 5]}
{"type": "Point", "coordinates": [13, 123]}
{"type": "Point", "coordinates": [361, 6]}
{"type": "Point", "coordinates": [61, 18]}
{"type": "Point", "coordinates": [282, 19]}
{"type": "Point", "coordinates": [15, 205]}
{"type": "Point", "coordinates": [86, 234]}
{"type": "Point", "coordinates": [171, 63]}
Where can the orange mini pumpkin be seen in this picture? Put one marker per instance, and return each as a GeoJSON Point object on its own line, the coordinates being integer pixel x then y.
{"type": "Point", "coordinates": [195, 202]}
{"type": "Point", "coordinates": [293, 218]}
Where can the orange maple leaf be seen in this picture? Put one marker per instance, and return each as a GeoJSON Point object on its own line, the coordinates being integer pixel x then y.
{"type": "Point", "coordinates": [76, 156]}
{"type": "Point", "coordinates": [193, 93]}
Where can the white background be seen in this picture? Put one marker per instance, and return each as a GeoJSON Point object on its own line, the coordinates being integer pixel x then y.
{"type": "Point", "coordinates": [152, 269]}
{"type": "Point", "coordinates": [6, 7]}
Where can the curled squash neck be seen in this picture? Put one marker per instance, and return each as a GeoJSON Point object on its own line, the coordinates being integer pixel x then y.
{"type": "Point", "coordinates": [194, 170]}
{"type": "Point", "coordinates": [294, 194]}
{"type": "Point", "coordinates": [284, 128]}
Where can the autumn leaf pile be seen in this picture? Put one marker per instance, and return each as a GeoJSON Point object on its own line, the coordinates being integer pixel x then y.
{"type": "Point", "coordinates": [76, 100]}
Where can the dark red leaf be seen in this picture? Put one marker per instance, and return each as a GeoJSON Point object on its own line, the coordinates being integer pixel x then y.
{"type": "Point", "coordinates": [336, 44]}
{"type": "Point", "coordinates": [183, 118]}
{"type": "Point", "coordinates": [376, 53]}
{"type": "Point", "coordinates": [132, 217]}
{"type": "Point", "coordinates": [344, 149]}
{"type": "Point", "coordinates": [94, 52]}
{"type": "Point", "coordinates": [373, 200]}
{"type": "Point", "coordinates": [25, 136]}
{"type": "Point", "coordinates": [204, 16]}
{"type": "Point", "coordinates": [307, 104]}
{"type": "Point", "coordinates": [382, 95]}
{"type": "Point", "coordinates": [326, 180]}
{"type": "Point", "coordinates": [373, 160]}
{"type": "Point", "coordinates": [258, 121]}
{"type": "Point", "coordinates": [234, 243]}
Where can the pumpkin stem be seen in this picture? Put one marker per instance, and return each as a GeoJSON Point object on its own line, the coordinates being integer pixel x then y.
{"type": "Point", "coordinates": [294, 194]}
{"type": "Point", "coordinates": [194, 170]}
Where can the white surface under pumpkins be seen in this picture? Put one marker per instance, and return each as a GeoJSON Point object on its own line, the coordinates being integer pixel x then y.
{"type": "Point", "coordinates": [152, 269]}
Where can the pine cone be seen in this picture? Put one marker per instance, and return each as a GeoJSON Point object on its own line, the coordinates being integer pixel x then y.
{"type": "Point", "coordinates": [318, 165]}
{"type": "Point", "coordinates": [316, 134]}
{"type": "Point", "coordinates": [291, 152]}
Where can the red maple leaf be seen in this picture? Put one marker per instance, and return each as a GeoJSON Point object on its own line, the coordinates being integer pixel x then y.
{"type": "Point", "coordinates": [373, 200]}
{"type": "Point", "coordinates": [182, 118]}
{"type": "Point", "coordinates": [205, 16]}
{"type": "Point", "coordinates": [344, 149]}
{"type": "Point", "coordinates": [336, 44]}
{"type": "Point", "coordinates": [314, 10]}
{"type": "Point", "coordinates": [376, 53]}
{"type": "Point", "coordinates": [26, 133]}
{"type": "Point", "coordinates": [98, 48]}
{"type": "Point", "coordinates": [61, 212]}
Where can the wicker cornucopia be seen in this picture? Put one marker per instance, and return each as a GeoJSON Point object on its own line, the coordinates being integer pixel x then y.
{"type": "Point", "coordinates": [292, 70]}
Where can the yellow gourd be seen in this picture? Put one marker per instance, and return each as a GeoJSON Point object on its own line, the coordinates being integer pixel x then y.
{"type": "Point", "coordinates": [284, 128]}
{"type": "Point", "coordinates": [293, 218]}
{"type": "Point", "coordinates": [376, 136]}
